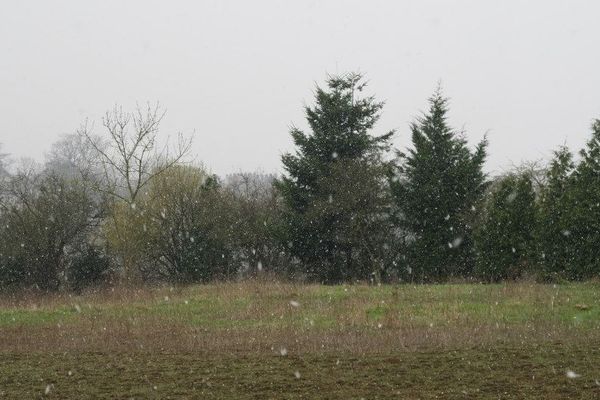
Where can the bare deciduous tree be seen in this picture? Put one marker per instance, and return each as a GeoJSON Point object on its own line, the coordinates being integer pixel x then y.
{"type": "Point", "coordinates": [131, 154]}
{"type": "Point", "coordinates": [536, 170]}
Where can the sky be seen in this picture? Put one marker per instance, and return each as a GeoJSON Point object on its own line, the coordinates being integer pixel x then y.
{"type": "Point", "coordinates": [237, 74]}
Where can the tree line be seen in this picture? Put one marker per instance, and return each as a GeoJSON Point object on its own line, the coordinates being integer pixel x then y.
{"type": "Point", "coordinates": [122, 206]}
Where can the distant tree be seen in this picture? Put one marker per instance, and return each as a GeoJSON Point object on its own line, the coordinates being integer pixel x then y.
{"type": "Point", "coordinates": [181, 228]}
{"type": "Point", "coordinates": [504, 239]}
{"type": "Point", "coordinates": [74, 157]}
{"type": "Point", "coordinates": [439, 182]}
{"type": "Point", "coordinates": [537, 172]}
{"type": "Point", "coordinates": [3, 163]}
{"type": "Point", "coordinates": [340, 122]}
{"type": "Point", "coordinates": [46, 218]}
{"type": "Point", "coordinates": [4, 175]}
{"type": "Point", "coordinates": [129, 157]}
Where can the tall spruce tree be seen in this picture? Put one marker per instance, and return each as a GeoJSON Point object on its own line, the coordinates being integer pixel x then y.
{"type": "Point", "coordinates": [569, 221]}
{"type": "Point", "coordinates": [438, 185]}
{"type": "Point", "coordinates": [504, 238]}
{"type": "Point", "coordinates": [584, 211]}
{"type": "Point", "coordinates": [332, 224]}
{"type": "Point", "coordinates": [554, 220]}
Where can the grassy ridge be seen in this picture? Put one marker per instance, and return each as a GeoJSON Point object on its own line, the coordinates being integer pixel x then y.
{"type": "Point", "coordinates": [252, 305]}
{"type": "Point", "coordinates": [248, 340]}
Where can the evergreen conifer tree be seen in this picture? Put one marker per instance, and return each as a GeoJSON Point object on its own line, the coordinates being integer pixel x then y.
{"type": "Point", "coordinates": [504, 239]}
{"type": "Point", "coordinates": [554, 239]}
{"type": "Point", "coordinates": [583, 225]}
{"type": "Point", "coordinates": [439, 182]}
{"type": "Point", "coordinates": [330, 223]}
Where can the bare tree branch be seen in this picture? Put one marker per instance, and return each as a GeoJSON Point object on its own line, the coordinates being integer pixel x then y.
{"type": "Point", "coordinates": [129, 156]}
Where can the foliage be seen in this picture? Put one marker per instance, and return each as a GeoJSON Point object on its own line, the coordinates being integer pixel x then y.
{"type": "Point", "coordinates": [44, 218]}
{"type": "Point", "coordinates": [585, 226]}
{"type": "Point", "coordinates": [554, 241]}
{"type": "Point", "coordinates": [316, 177]}
{"type": "Point", "coordinates": [504, 239]}
{"type": "Point", "coordinates": [257, 214]}
{"type": "Point", "coordinates": [123, 206]}
{"type": "Point", "coordinates": [569, 228]}
{"type": "Point", "coordinates": [88, 267]}
{"type": "Point", "coordinates": [439, 182]}
{"type": "Point", "coordinates": [180, 230]}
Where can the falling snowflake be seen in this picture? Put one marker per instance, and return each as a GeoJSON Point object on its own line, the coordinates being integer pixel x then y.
{"type": "Point", "coordinates": [455, 243]}
{"type": "Point", "coordinates": [572, 374]}
{"type": "Point", "coordinates": [511, 197]}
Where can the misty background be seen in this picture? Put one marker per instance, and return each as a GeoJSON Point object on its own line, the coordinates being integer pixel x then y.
{"type": "Point", "coordinates": [238, 73]}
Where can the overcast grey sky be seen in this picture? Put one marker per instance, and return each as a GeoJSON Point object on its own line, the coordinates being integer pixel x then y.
{"type": "Point", "coordinates": [238, 72]}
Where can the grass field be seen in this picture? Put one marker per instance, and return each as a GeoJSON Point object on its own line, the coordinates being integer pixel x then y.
{"type": "Point", "coordinates": [266, 340]}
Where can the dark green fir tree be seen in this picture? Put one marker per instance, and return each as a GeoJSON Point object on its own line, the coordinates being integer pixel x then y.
{"type": "Point", "coordinates": [437, 188]}
{"type": "Point", "coordinates": [335, 189]}
{"type": "Point", "coordinates": [504, 238]}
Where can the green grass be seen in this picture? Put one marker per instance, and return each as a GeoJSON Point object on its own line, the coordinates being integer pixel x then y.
{"type": "Point", "coordinates": [35, 316]}
{"type": "Point", "coordinates": [421, 305]}
{"type": "Point", "coordinates": [455, 341]}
